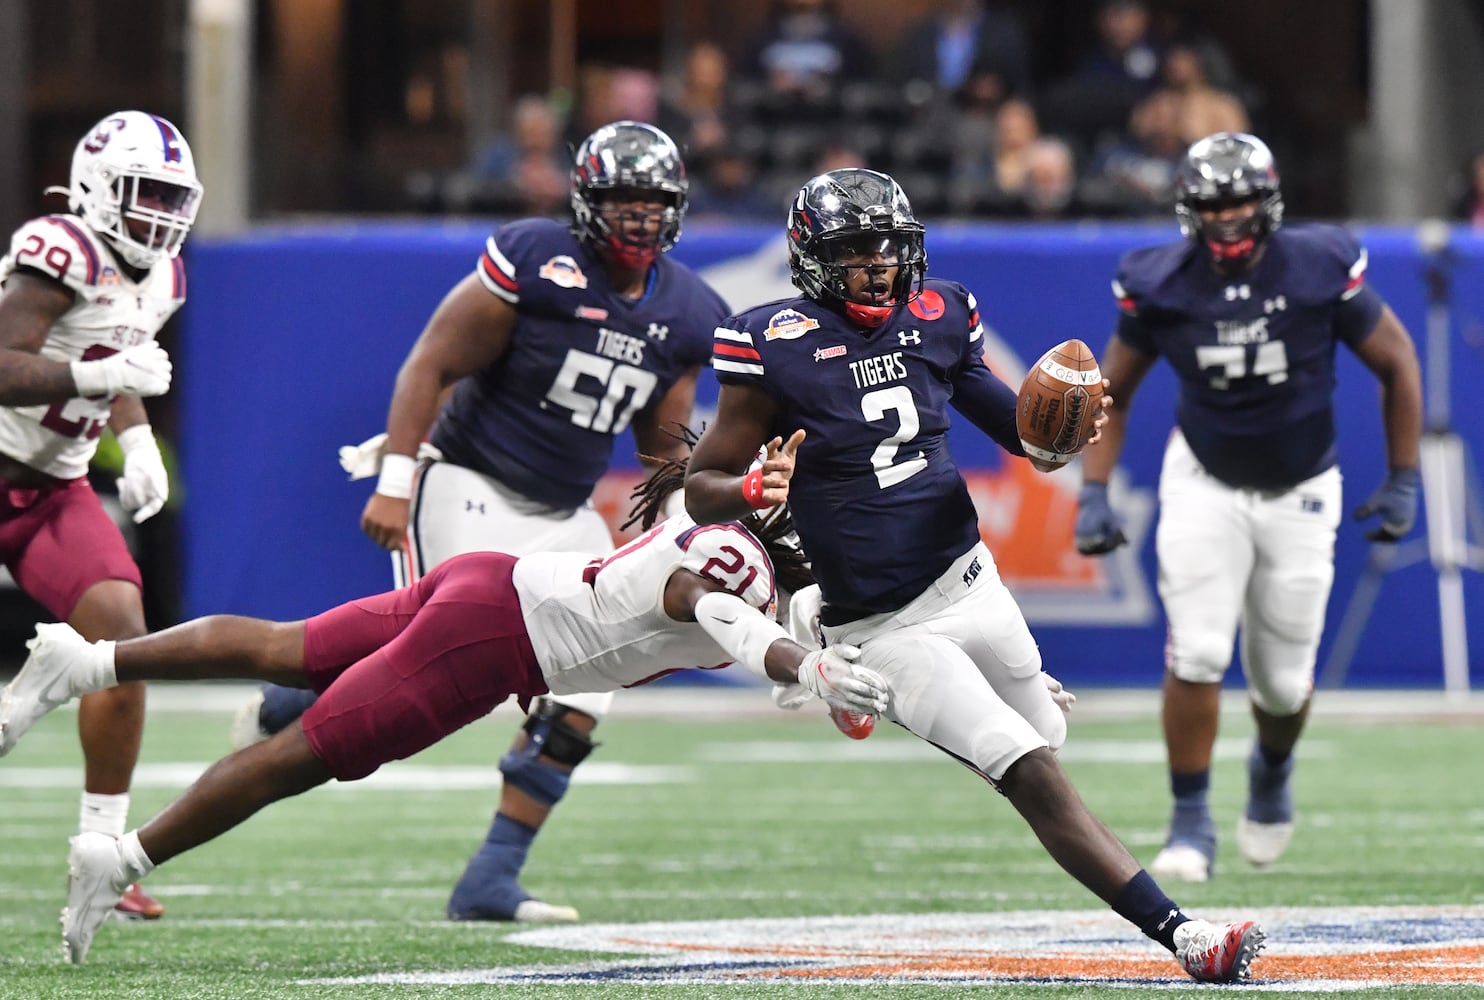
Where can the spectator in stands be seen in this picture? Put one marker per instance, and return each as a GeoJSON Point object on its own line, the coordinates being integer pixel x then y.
{"type": "Point", "coordinates": [695, 111]}
{"type": "Point", "coordinates": [963, 38]}
{"type": "Point", "coordinates": [805, 50]}
{"type": "Point", "coordinates": [1095, 103]}
{"type": "Point", "coordinates": [1136, 176]}
{"type": "Point", "coordinates": [1203, 108]}
{"type": "Point", "coordinates": [728, 188]}
{"type": "Point", "coordinates": [611, 93]}
{"type": "Point", "coordinates": [526, 169]}
{"type": "Point", "coordinates": [1050, 187]}
{"type": "Point", "coordinates": [1470, 206]}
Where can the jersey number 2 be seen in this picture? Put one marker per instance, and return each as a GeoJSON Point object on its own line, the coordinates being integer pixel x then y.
{"type": "Point", "coordinates": [876, 404]}
{"type": "Point", "coordinates": [617, 380]}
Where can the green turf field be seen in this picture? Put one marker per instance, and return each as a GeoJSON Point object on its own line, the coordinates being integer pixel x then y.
{"type": "Point", "coordinates": [761, 855]}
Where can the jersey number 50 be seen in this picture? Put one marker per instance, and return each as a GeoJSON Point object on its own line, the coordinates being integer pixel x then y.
{"type": "Point", "coordinates": [601, 414]}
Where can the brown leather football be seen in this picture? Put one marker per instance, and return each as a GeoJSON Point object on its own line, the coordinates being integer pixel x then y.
{"type": "Point", "coordinates": [1059, 400]}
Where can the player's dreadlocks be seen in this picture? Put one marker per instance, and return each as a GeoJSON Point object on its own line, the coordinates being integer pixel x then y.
{"type": "Point", "coordinates": [774, 528]}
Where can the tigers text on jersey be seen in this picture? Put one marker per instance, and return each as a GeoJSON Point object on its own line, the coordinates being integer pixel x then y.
{"type": "Point", "coordinates": [581, 362]}
{"type": "Point", "coordinates": [877, 501]}
{"type": "Point", "coordinates": [110, 312]}
{"type": "Point", "coordinates": [600, 624]}
{"type": "Point", "coordinates": [1255, 353]}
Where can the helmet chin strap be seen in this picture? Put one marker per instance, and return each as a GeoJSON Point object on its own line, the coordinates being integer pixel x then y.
{"type": "Point", "coordinates": [869, 316]}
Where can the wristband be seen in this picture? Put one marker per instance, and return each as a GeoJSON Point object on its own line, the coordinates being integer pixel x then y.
{"type": "Point", "coordinates": [90, 379]}
{"type": "Point", "coordinates": [396, 476]}
{"type": "Point", "coordinates": [135, 437]}
{"type": "Point", "coordinates": [752, 490]}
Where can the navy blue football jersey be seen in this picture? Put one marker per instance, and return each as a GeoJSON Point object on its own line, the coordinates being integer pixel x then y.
{"type": "Point", "coordinates": [879, 505]}
{"type": "Point", "coordinates": [1254, 353]}
{"type": "Point", "coordinates": [581, 362]}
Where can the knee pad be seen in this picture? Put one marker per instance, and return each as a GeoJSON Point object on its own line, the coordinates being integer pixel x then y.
{"type": "Point", "coordinates": [548, 736]}
{"type": "Point", "coordinates": [1199, 658]}
{"type": "Point", "coordinates": [1281, 695]}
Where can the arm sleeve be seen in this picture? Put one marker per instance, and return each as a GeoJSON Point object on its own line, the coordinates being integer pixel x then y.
{"type": "Point", "coordinates": [989, 403]}
{"type": "Point", "coordinates": [740, 629]}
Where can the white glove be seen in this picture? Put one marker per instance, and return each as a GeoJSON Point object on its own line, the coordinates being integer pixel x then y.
{"type": "Point", "coordinates": [791, 696]}
{"type": "Point", "coordinates": [141, 370]}
{"type": "Point", "coordinates": [832, 674]}
{"type": "Point", "coordinates": [145, 485]}
{"type": "Point", "coordinates": [362, 461]}
{"type": "Point", "coordinates": [1063, 698]}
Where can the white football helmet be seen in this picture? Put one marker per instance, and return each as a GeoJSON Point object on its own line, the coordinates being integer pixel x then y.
{"type": "Point", "coordinates": [134, 183]}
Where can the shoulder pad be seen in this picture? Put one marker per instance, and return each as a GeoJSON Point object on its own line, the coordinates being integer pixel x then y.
{"type": "Point", "coordinates": [1142, 273]}
{"type": "Point", "coordinates": [61, 247]}
{"type": "Point", "coordinates": [1336, 255]}
{"type": "Point", "coordinates": [730, 555]}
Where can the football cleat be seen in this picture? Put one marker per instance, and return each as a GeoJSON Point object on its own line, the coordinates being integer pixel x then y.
{"type": "Point", "coordinates": [1262, 843]}
{"type": "Point", "coordinates": [856, 725]}
{"type": "Point", "coordinates": [535, 911]}
{"type": "Point", "coordinates": [43, 683]}
{"type": "Point", "coordinates": [1214, 953]}
{"type": "Point", "coordinates": [138, 905]}
{"type": "Point", "coordinates": [1182, 863]}
{"type": "Point", "coordinates": [92, 865]}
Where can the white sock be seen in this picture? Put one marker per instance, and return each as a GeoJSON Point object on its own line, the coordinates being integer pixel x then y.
{"type": "Point", "coordinates": [103, 814]}
{"type": "Point", "coordinates": [136, 863]}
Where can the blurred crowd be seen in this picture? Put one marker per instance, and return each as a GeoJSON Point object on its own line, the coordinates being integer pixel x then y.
{"type": "Point", "coordinates": [955, 107]}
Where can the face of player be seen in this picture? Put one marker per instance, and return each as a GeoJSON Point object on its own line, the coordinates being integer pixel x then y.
{"type": "Point", "coordinates": [153, 199]}
{"type": "Point", "coordinates": [635, 220]}
{"type": "Point", "coordinates": [1230, 230]}
{"type": "Point", "coordinates": [870, 268]}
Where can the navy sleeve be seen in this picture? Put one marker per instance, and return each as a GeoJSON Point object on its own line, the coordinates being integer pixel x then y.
{"type": "Point", "coordinates": [989, 403]}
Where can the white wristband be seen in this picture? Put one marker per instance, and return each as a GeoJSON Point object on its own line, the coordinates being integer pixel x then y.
{"type": "Point", "coordinates": [90, 378]}
{"type": "Point", "coordinates": [396, 476]}
{"type": "Point", "coordinates": [739, 628]}
{"type": "Point", "coordinates": [136, 437]}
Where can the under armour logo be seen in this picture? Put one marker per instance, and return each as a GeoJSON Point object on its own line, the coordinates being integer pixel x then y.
{"type": "Point", "coordinates": [1167, 919]}
{"type": "Point", "coordinates": [1234, 292]}
{"type": "Point", "coordinates": [1274, 305]}
{"type": "Point", "coordinates": [470, 506]}
{"type": "Point", "coordinates": [909, 337]}
{"type": "Point", "coordinates": [657, 331]}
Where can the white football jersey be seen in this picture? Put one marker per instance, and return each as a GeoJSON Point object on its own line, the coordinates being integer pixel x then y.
{"type": "Point", "coordinates": [600, 624]}
{"type": "Point", "coordinates": [111, 312]}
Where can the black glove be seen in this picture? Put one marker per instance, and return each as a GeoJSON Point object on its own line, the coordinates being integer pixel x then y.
{"type": "Point", "coordinates": [1395, 501]}
{"type": "Point", "coordinates": [1099, 530]}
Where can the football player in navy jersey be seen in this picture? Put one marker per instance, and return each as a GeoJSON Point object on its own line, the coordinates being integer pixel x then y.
{"type": "Point", "coordinates": [1248, 315]}
{"type": "Point", "coordinates": [562, 337]}
{"type": "Point", "coordinates": [848, 388]}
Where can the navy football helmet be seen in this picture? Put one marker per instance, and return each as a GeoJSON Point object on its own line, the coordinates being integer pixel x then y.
{"type": "Point", "coordinates": [622, 161]}
{"type": "Point", "coordinates": [1223, 169]}
{"type": "Point", "coordinates": [849, 214]}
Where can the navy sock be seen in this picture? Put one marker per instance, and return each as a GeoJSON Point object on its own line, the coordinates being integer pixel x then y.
{"type": "Point", "coordinates": [1144, 904]}
{"type": "Point", "coordinates": [1274, 758]}
{"type": "Point", "coordinates": [488, 889]}
{"type": "Point", "coordinates": [1191, 822]}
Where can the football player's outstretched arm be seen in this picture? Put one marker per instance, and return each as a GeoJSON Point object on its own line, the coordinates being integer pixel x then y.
{"type": "Point", "coordinates": [761, 645]}
{"type": "Point", "coordinates": [28, 309]}
{"type": "Point", "coordinates": [470, 329]}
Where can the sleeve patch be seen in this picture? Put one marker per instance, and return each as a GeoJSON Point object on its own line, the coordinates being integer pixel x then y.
{"type": "Point", "coordinates": [1124, 299]}
{"type": "Point", "coordinates": [732, 557]}
{"type": "Point", "coordinates": [733, 351]}
{"type": "Point", "coordinates": [58, 247]}
{"type": "Point", "coordinates": [497, 273]}
{"type": "Point", "coordinates": [1356, 279]}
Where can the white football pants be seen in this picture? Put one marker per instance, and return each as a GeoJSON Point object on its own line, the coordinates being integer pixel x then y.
{"type": "Point", "coordinates": [457, 510]}
{"type": "Point", "coordinates": [1259, 559]}
{"type": "Point", "coordinates": [964, 670]}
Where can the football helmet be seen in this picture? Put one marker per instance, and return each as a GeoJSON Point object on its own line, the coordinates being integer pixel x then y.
{"type": "Point", "coordinates": [1223, 169]}
{"type": "Point", "coordinates": [849, 214]}
{"type": "Point", "coordinates": [134, 183]}
{"type": "Point", "coordinates": [620, 161]}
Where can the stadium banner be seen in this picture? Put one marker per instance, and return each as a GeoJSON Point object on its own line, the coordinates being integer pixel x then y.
{"type": "Point", "coordinates": [293, 336]}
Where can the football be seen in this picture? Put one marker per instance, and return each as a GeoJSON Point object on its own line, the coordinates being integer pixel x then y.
{"type": "Point", "coordinates": [1059, 400]}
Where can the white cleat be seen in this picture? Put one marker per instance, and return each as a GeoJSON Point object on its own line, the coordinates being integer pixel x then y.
{"type": "Point", "coordinates": [43, 683]}
{"type": "Point", "coordinates": [1182, 863]}
{"type": "Point", "coordinates": [1262, 843]}
{"type": "Point", "coordinates": [246, 727]}
{"type": "Point", "coordinates": [94, 868]}
{"type": "Point", "coordinates": [534, 911]}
